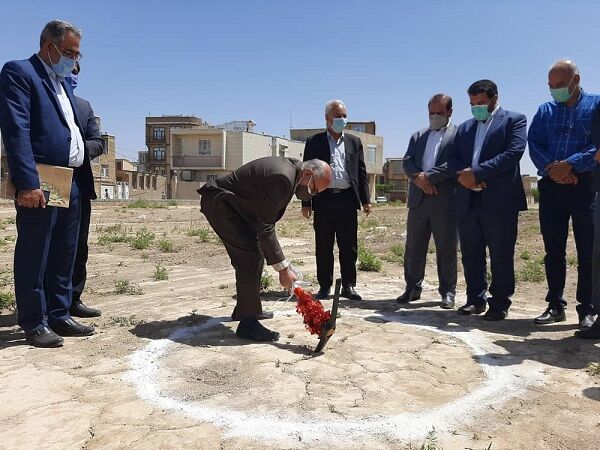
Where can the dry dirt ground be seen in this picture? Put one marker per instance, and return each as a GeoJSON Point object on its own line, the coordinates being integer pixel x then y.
{"type": "Point", "coordinates": [165, 369]}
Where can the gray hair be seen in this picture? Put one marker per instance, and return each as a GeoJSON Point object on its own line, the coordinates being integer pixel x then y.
{"type": "Point", "coordinates": [317, 167]}
{"type": "Point", "coordinates": [566, 64]}
{"type": "Point", "coordinates": [331, 103]}
{"type": "Point", "coordinates": [55, 31]}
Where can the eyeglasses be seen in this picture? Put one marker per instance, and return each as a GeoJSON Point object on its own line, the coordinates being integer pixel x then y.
{"type": "Point", "coordinates": [69, 53]}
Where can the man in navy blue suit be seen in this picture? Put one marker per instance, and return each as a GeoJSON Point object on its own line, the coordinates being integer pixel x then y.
{"type": "Point", "coordinates": [488, 149]}
{"type": "Point", "coordinates": [94, 146]}
{"type": "Point", "coordinates": [40, 125]}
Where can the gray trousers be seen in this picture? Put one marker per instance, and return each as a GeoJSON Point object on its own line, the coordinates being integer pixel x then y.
{"type": "Point", "coordinates": [431, 218]}
{"type": "Point", "coordinates": [596, 259]}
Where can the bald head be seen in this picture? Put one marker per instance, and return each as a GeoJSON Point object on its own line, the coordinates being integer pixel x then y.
{"type": "Point", "coordinates": [565, 65]}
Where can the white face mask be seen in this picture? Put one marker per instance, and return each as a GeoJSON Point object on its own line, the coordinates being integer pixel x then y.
{"type": "Point", "coordinates": [437, 121]}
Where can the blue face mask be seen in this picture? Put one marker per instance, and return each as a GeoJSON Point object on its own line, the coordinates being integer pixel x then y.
{"type": "Point", "coordinates": [64, 66]}
{"type": "Point", "coordinates": [339, 123]}
{"type": "Point", "coordinates": [480, 112]}
{"type": "Point", "coordinates": [561, 95]}
{"type": "Point", "coordinates": [72, 80]}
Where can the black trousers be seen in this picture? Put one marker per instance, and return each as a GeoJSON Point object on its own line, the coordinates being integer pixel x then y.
{"type": "Point", "coordinates": [426, 219]}
{"type": "Point", "coordinates": [80, 269]}
{"type": "Point", "coordinates": [336, 219]}
{"type": "Point", "coordinates": [239, 237]}
{"type": "Point", "coordinates": [558, 204]}
{"type": "Point", "coordinates": [498, 233]}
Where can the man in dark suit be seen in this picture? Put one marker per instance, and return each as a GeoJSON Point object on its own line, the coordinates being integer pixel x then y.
{"type": "Point", "coordinates": [431, 203]}
{"type": "Point", "coordinates": [94, 147]}
{"type": "Point", "coordinates": [593, 332]}
{"type": "Point", "coordinates": [335, 209]}
{"type": "Point", "coordinates": [488, 149]}
{"type": "Point", "coordinates": [242, 208]}
{"type": "Point", "coordinates": [40, 125]}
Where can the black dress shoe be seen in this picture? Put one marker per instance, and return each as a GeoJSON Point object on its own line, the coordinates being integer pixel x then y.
{"type": "Point", "coordinates": [44, 337]}
{"type": "Point", "coordinates": [78, 309]}
{"type": "Point", "coordinates": [586, 321]}
{"type": "Point", "coordinates": [467, 310]}
{"type": "Point", "coordinates": [71, 328]}
{"type": "Point", "coordinates": [252, 329]}
{"type": "Point", "coordinates": [447, 301]}
{"type": "Point", "coordinates": [550, 316]}
{"type": "Point", "coordinates": [262, 316]}
{"type": "Point", "coordinates": [350, 293]}
{"type": "Point", "coordinates": [495, 315]}
{"type": "Point", "coordinates": [409, 296]}
{"type": "Point", "coordinates": [592, 332]}
{"type": "Point", "coordinates": [322, 294]}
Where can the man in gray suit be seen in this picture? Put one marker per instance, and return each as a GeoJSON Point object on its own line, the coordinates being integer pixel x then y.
{"type": "Point", "coordinates": [431, 203]}
{"type": "Point", "coordinates": [243, 207]}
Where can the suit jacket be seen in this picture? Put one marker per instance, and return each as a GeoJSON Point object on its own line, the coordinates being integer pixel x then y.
{"type": "Point", "coordinates": [317, 147]}
{"type": "Point", "coordinates": [260, 192]}
{"type": "Point", "coordinates": [439, 175]}
{"type": "Point", "coordinates": [499, 159]}
{"type": "Point", "coordinates": [94, 145]}
{"type": "Point", "coordinates": [34, 128]}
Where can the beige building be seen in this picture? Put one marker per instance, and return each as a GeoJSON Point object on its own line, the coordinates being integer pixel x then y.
{"type": "Point", "coordinates": [135, 185]}
{"type": "Point", "coordinates": [201, 154]}
{"type": "Point", "coordinates": [104, 171]}
{"type": "Point", "coordinates": [393, 175]}
{"type": "Point", "coordinates": [372, 147]}
{"type": "Point", "coordinates": [530, 183]}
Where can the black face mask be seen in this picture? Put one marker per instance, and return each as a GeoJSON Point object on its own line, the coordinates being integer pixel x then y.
{"type": "Point", "coordinates": [303, 194]}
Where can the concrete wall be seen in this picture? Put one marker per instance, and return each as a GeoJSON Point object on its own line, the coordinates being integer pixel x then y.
{"type": "Point", "coordinates": [186, 190]}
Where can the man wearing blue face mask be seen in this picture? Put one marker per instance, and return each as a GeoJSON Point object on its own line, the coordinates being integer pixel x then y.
{"type": "Point", "coordinates": [488, 149]}
{"type": "Point", "coordinates": [336, 208]}
{"type": "Point", "coordinates": [561, 147]}
{"type": "Point", "coordinates": [94, 147]}
{"type": "Point", "coordinates": [40, 125]}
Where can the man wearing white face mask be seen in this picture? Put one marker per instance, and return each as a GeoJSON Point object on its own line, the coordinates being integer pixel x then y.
{"type": "Point", "coordinates": [431, 203]}
{"type": "Point", "coordinates": [40, 125]}
{"type": "Point", "coordinates": [336, 208]}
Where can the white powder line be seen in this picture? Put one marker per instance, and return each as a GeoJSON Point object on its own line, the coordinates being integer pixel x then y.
{"type": "Point", "coordinates": [504, 380]}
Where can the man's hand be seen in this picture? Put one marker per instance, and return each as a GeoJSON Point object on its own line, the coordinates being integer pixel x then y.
{"type": "Point", "coordinates": [422, 182]}
{"type": "Point", "coordinates": [367, 208]}
{"type": "Point", "coordinates": [559, 170]}
{"type": "Point", "coordinates": [31, 198]}
{"type": "Point", "coordinates": [467, 179]}
{"type": "Point", "coordinates": [306, 211]}
{"type": "Point", "coordinates": [597, 156]}
{"type": "Point", "coordinates": [571, 178]}
{"type": "Point", "coordinates": [287, 277]}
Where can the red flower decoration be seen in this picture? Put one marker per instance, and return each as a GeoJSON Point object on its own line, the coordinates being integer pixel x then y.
{"type": "Point", "coordinates": [312, 311]}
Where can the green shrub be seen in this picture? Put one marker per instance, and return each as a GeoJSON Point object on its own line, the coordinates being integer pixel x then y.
{"type": "Point", "coordinates": [368, 260]}
{"type": "Point", "coordinates": [532, 271]}
{"type": "Point", "coordinates": [166, 245]}
{"type": "Point", "coordinates": [266, 281]}
{"type": "Point", "coordinates": [161, 273]}
{"type": "Point", "coordinates": [203, 234]}
{"type": "Point", "coordinates": [125, 287]}
{"type": "Point", "coordinates": [525, 255]}
{"type": "Point", "coordinates": [7, 300]}
{"type": "Point", "coordinates": [396, 254]}
{"type": "Point", "coordinates": [113, 234]}
{"type": "Point", "coordinates": [142, 239]}
{"type": "Point", "coordinates": [145, 204]}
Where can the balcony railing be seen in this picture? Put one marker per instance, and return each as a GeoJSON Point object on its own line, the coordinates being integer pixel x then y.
{"type": "Point", "coordinates": [197, 161]}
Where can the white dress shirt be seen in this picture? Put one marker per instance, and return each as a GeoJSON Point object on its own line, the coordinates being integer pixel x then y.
{"type": "Point", "coordinates": [432, 148]}
{"type": "Point", "coordinates": [480, 134]}
{"type": "Point", "coordinates": [337, 153]}
{"type": "Point", "coordinates": [76, 152]}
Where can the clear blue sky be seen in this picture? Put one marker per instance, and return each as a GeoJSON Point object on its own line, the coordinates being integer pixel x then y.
{"type": "Point", "coordinates": [259, 60]}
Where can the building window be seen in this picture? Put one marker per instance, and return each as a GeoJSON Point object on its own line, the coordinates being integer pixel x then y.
{"type": "Point", "coordinates": [104, 171]}
{"type": "Point", "coordinates": [371, 154]}
{"type": "Point", "coordinates": [179, 146]}
{"type": "Point", "coordinates": [159, 134]}
{"type": "Point", "coordinates": [360, 127]}
{"type": "Point", "coordinates": [204, 147]}
{"type": "Point", "coordinates": [283, 150]}
{"type": "Point", "coordinates": [186, 175]}
{"type": "Point", "coordinates": [159, 153]}
{"type": "Point", "coordinates": [211, 177]}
